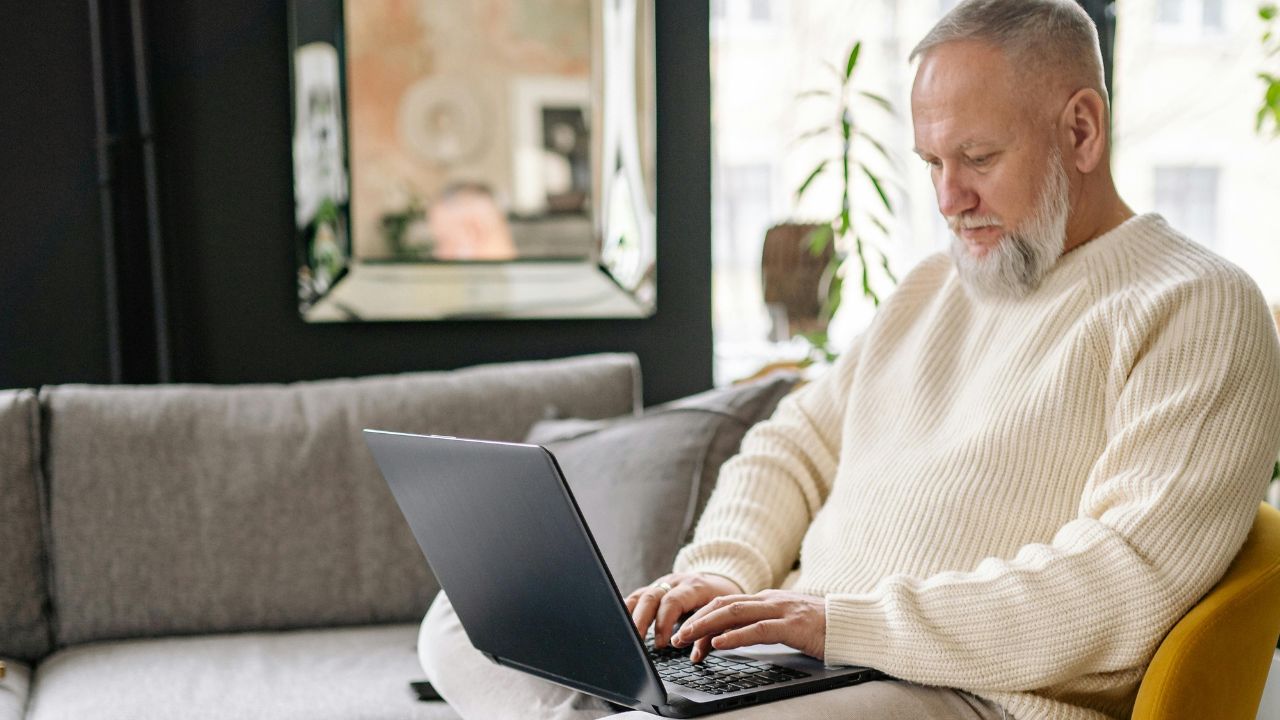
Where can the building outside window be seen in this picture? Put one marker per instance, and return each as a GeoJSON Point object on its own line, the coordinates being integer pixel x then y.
{"type": "Point", "coordinates": [1191, 16]}
{"type": "Point", "coordinates": [1188, 198]}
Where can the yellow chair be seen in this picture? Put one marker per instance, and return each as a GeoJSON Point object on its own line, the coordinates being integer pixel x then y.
{"type": "Point", "coordinates": [1214, 662]}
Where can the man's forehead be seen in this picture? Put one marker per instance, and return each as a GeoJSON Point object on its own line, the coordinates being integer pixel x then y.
{"type": "Point", "coordinates": [958, 71]}
{"type": "Point", "coordinates": [965, 95]}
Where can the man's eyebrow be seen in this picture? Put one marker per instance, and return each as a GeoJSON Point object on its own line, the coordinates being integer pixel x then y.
{"type": "Point", "coordinates": [966, 145]}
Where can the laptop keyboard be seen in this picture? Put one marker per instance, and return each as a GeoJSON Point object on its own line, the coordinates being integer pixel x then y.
{"type": "Point", "coordinates": [717, 675]}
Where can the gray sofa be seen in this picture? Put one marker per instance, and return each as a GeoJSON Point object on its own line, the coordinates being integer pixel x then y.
{"type": "Point", "coordinates": [213, 552]}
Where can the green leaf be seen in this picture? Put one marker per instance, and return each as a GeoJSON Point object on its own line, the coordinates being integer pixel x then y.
{"type": "Point", "coordinates": [853, 60]}
{"type": "Point", "coordinates": [809, 180]}
{"type": "Point", "coordinates": [812, 133]}
{"type": "Point", "coordinates": [834, 291]}
{"type": "Point", "coordinates": [880, 148]}
{"type": "Point", "coordinates": [816, 338]}
{"type": "Point", "coordinates": [875, 181]}
{"type": "Point", "coordinates": [820, 238]}
{"type": "Point", "coordinates": [884, 263]}
{"type": "Point", "coordinates": [867, 290]}
{"type": "Point", "coordinates": [1261, 119]}
{"type": "Point", "coordinates": [1267, 11]}
{"type": "Point", "coordinates": [814, 93]}
{"type": "Point", "coordinates": [879, 100]}
{"type": "Point", "coordinates": [878, 223]}
{"type": "Point", "coordinates": [1276, 472]}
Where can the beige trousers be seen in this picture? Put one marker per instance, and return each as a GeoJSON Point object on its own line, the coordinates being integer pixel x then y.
{"type": "Point", "coordinates": [480, 690]}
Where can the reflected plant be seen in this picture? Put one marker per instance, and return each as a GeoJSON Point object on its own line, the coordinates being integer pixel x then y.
{"type": "Point", "coordinates": [853, 246]}
{"type": "Point", "coordinates": [327, 254]}
{"type": "Point", "coordinates": [1270, 76]}
{"type": "Point", "coordinates": [395, 225]}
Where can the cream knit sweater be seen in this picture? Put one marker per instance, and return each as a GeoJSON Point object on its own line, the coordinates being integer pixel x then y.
{"type": "Point", "coordinates": [1018, 498]}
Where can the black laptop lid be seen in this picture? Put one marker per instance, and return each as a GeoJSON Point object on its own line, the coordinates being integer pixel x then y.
{"type": "Point", "coordinates": [507, 543]}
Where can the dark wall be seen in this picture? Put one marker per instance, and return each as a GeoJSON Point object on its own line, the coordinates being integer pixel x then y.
{"type": "Point", "coordinates": [220, 96]}
{"type": "Point", "coordinates": [52, 314]}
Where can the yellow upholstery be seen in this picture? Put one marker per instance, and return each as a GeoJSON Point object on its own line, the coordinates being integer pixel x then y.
{"type": "Point", "coordinates": [1214, 662]}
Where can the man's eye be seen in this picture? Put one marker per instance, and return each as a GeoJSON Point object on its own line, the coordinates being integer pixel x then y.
{"type": "Point", "coordinates": [980, 160]}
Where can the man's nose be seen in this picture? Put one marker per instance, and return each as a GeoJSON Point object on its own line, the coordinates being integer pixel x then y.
{"type": "Point", "coordinates": [955, 196]}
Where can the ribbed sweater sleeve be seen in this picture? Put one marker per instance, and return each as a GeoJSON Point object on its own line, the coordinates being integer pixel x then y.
{"type": "Point", "coordinates": [1165, 509]}
{"type": "Point", "coordinates": [767, 495]}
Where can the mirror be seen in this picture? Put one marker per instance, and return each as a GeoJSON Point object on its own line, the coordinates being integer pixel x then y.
{"type": "Point", "coordinates": [485, 159]}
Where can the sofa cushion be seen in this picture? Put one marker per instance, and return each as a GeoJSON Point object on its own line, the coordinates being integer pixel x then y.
{"type": "Point", "coordinates": [14, 688]}
{"type": "Point", "coordinates": [24, 626]}
{"type": "Point", "coordinates": [308, 675]}
{"type": "Point", "coordinates": [196, 509]}
{"type": "Point", "coordinates": [641, 482]}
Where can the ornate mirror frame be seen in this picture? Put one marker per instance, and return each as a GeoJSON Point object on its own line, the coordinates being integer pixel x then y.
{"type": "Point", "coordinates": [483, 171]}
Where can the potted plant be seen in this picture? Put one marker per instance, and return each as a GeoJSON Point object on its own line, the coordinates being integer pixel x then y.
{"type": "Point", "coordinates": [844, 240]}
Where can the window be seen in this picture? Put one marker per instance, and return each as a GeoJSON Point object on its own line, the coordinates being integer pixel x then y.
{"type": "Point", "coordinates": [741, 214]}
{"type": "Point", "coordinates": [1183, 139]}
{"type": "Point", "coordinates": [740, 15]}
{"type": "Point", "coordinates": [1188, 198]}
{"type": "Point", "coordinates": [757, 163]}
{"type": "Point", "coordinates": [1212, 16]}
{"type": "Point", "coordinates": [1190, 17]}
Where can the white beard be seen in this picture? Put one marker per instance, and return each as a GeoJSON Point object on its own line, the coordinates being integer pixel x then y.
{"type": "Point", "coordinates": [1021, 258]}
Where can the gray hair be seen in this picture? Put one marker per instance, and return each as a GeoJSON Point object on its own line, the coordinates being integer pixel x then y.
{"type": "Point", "coordinates": [1043, 37]}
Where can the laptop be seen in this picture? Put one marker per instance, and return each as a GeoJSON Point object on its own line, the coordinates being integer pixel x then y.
{"type": "Point", "coordinates": [500, 529]}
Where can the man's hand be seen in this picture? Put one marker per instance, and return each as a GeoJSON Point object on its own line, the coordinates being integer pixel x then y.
{"type": "Point", "coordinates": [771, 616]}
{"type": "Point", "coordinates": [688, 592]}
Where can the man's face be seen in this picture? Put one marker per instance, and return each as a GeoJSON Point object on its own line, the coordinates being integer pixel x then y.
{"type": "Point", "coordinates": [997, 174]}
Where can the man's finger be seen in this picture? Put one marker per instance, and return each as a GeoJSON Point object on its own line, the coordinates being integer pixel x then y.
{"type": "Point", "coordinates": [716, 604]}
{"type": "Point", "coordinates": [676, 602]}
{"type": "Point", "coordinates": [701, 649]}
{"type": "Point", "coordinates": [646, 606]}
{"type": "Point", "coordinates": [765, 631]}
{"type": "Point", "coordinates": [727, 617]}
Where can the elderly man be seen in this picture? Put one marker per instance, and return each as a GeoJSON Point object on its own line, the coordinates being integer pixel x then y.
{"type": "Point", "coordinates": [1048, 446]}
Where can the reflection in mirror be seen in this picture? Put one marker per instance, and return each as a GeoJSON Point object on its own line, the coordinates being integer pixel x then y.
{"type": "Point", "coordinates": [478, 159]}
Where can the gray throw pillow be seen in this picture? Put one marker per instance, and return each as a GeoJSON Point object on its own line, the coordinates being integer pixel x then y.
{"type": "Point", "coordinates": [641, 482]}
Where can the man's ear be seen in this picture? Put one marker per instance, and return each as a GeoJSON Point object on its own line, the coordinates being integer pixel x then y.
{"type": "Point", "coordinates": [1084, 121]}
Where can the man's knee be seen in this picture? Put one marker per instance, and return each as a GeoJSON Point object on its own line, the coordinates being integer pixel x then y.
{"type": "Point", "coordinates": [439, 636]}
{"type": "Point", "coordinates": [476, 688]}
